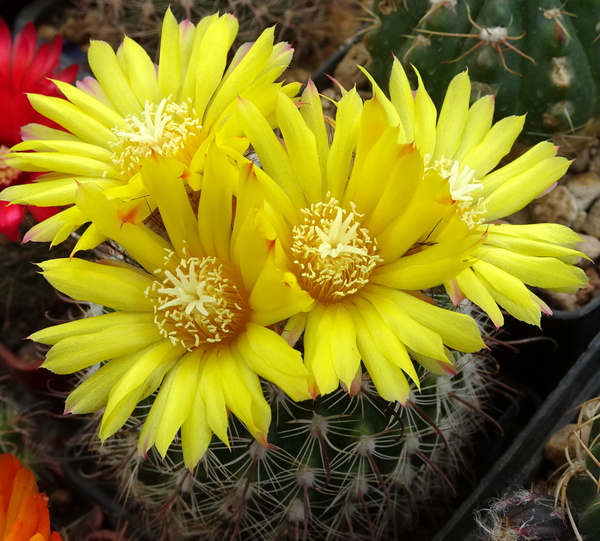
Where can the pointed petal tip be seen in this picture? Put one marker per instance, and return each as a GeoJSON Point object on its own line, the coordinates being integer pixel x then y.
{"type": "Point", "coordinates": [449, 369]}
{"type": "Point", "coordinates": [314, 390]}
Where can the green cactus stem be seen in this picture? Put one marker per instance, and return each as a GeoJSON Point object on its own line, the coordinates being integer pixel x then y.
{"type": "Point", "coordinates": [540, 57]}
{"type": "Point", "coordinates": [340, 467]}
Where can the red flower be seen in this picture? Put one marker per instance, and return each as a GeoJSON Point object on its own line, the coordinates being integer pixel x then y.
{"type": "Point", "coordinates": [24, 69]}
{"type": "Point", "coordinates": [23, 510]}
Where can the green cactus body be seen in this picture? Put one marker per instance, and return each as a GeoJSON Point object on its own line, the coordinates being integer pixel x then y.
{"type": "Point", "coordinates": [340, 467]}
{"type": "Point", "coordinates": [540, 57]}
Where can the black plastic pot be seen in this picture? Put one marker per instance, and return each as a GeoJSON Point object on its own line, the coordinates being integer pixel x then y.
{"type": "Point", "coordinates": [518, 466]}
{"type": "Point", "coordinates": [545, 354]}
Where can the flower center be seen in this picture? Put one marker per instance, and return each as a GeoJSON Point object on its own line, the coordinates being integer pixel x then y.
{"type": "Point", "coordinates": [334, 256]}
{"type": "Point", "coordinates": [200, 304]}
{"type": "Point", "coordinates": [462, 183]}
{"type": "Point", "coordinates": [8, 174]}
{"type": "Point", "coordinates": [170, 129]}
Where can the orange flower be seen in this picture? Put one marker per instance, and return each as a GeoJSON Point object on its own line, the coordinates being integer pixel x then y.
{"type": "Point", "coordinates": [23, 510]}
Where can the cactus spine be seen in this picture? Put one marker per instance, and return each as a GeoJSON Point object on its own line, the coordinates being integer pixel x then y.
{"type": "Point", "coordinates": [540, 57]}
{"type": "Point", "coordinates": [577, 489]}
{"type": "Point", "coordinates": [340, 467]}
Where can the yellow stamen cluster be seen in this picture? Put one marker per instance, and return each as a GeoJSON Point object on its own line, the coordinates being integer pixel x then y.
{"type": "Point", "coordinates": [462, 184]}
{"type": "Point", "coordinates": [472, 214]}
{"type": "Point", "coordinates": [333, 254]}
{"type": "Point", "coordinates": [170, 129]}
{"type": "Point", "coordinates": [8, 174]}
{"type": "Point", "coordinates": [201, 303]}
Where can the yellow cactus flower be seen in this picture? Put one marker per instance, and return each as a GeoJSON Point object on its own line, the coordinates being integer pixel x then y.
{"type": "Point", "coordinates": [133, 108]}
{"type": "Point", "coordinates": [464, 145]}
{"type": "Point", "coordinates": [513, 256]}
{"type": "Point", "coordinates": [193, 321]}
{"type": "Point", "coordinates": [363, 232]}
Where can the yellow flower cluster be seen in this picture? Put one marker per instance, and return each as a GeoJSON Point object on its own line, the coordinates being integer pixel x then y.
{"type": "Point", "coordinates": [335, 233]}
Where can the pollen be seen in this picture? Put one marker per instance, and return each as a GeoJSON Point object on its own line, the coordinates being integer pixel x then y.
{"type": "Point", "coordinates": [333, 254]}
{"type": "Point", "coordinates": [8, 174]}
{"type": "Point", "coordinates": [169, 129]}
{"type": "Point", "coordinates": [201, 303]}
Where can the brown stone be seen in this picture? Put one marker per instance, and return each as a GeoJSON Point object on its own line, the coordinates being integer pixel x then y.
{"type": "Point", "coordinates": [555, 449]}
{"type": "Point", "coordinates": [559, 207]}
{"type": "Point", "coordinates": [592, 224]}
{"type": "Point", "coordinates": [348, 73]}
{"type": "Point", "coordinates": [585, 188]}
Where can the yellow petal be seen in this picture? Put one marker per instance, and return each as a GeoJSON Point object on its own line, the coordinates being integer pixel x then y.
{"type": "Point", "coordinates": [89, 239]}
{"type": "Point", "coordinates": [547, 272]}
{"type": "Point", "coordinates": [75, 353]}
{"type": "Point", "coordinates": [399, 192]}
{"type": "Point", "coordinates": [162, 178]}
{"type": "Point", "coordinates": [373, 123]}
{"type": "Point", "coordinates": [168, 407]}
{"type": "Point", "coordinates": [92, 393]}
{"type": "Point", "coordinates": [403, 99]}
{"type": "Point", "coordinates": [65, 163]}
{"type": "Point", "coordinates": [523, 163]}
{"type": "Point", "coordinates": [413, 334]}
{"type": "Point", "coordinates": [39, 131]}
{"type": "Point", "coordinates": [429, 267]}
{"type": "Point", "coordinates": [453, 116]}
{"type": "Point", "coordinates": [301, 147]}
{"type": "Point", "coordinates": [169, 69]}
{"type": "Point", "coordinates": [536, 240]}
{"type": "Point", "coordinates": [119, 288]}
{"type": "Point", "coordinates": [346, 357]}
{"type": "Point", "coordinates": [212, 392]}
{"type": "Point", "coordinates": [139, 382]}
{"type": "Point", "coordinates": [74, 148]}
{"type": "Point", "coordinates": [495, 145]}
{"type": "Point", "coordinates": [382, 337]}
{"type": "Point", "coordinates": [89, 325]}
{"type": "Point", "coordinates": [50, 193]}
{"type": "Point", "coordinates": [244, 395]}
{"type": "Point", "coordinates": [425, 119]}
{"type": "Point", "coordinates": [476, 292]}
{"type": "Point", "coordinates": [273, 157]}
{"type": "Point", "coordinates": [140, 71]}
{"type": "Point", "coordinates": [195, 432]}
{"type": "Point", "coordinates": [479, 122]}
{"type": "Point", "coordinates": [345, 137]}
{"type": "Point", "coordinates": [272, 358]}
{"type": "Point", "coordinates": [212, 40]}
{"type": "Point", "coordinates": [372, 175]}
{"type": "Point", "coordinates": [145, 246]}
{"type": "Point", "coordinates": [390, 110]}
{"type": "Point", "coordinates": [56, 228]}
{"type": "Point", "coordinates": [312, 114]}
{"type": "Point", "coordinates": [319, 338]}
{"type": "Point", "coordinates": [242, 75]}
{"type": "Point", "coordinates": [509, 292]}
{"type": "Point", "coordinates": [91, 106]}
{"type": "Point", "coordinates": [107, 70]}
{"type": "Point", "coordinates": [276, 294]}
{"type": "Point", "coordinates": [458, 331]}
{"type": "Point", "coordinates": [388, 378]}
{"type": "Point", "coordinates": [521, 189]}
{"type": "Point", "coordinates": [215, 207]}
{"type": "Point", "coordinates": [176, 396]}
{"type": "Point", "coordinates": [71, 118]}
